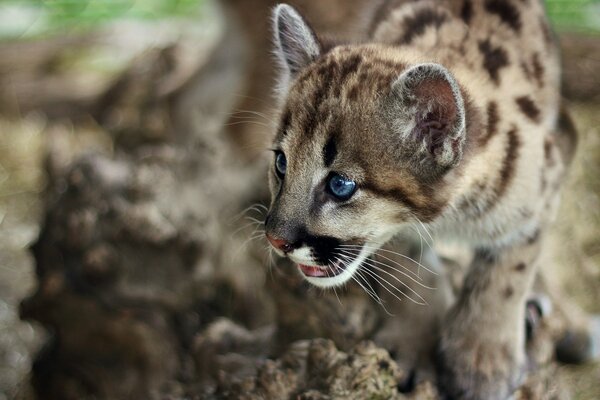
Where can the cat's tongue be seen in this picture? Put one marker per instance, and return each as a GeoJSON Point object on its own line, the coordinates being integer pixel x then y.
{"type": "Point", "coordinates": [313, 271]}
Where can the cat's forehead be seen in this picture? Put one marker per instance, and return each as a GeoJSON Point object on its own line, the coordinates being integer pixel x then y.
{"type": "Point", "coordinates": [347, 73]}
{"type": "Point", "coordinates": [335, 95]}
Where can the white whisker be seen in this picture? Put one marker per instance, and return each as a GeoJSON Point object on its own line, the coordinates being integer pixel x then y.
{"type": "Point", "coordinates": [371, 292]}
{"type": "Point", "coordinates": [376, 249]}
{"type": "Point", "coordinates": [423, 301]}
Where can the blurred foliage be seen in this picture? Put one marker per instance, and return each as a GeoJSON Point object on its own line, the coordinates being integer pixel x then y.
{"type": "Point", "coordinates": [38, 17]}
{"type": "Point", "coordinates": [579, 15]}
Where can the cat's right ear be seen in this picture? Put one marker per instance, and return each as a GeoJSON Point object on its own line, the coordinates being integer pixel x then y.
{"type": "Point", "coordinates": [296, 44]}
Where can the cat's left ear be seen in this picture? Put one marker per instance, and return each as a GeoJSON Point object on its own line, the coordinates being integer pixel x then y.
{"type": "Point", "coordinates": [296, 44]}
{"type": "Point", "coordinates": [427, 110]}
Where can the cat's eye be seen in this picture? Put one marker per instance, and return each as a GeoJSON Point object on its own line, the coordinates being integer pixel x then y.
{"type": "Point", "coordinates": [280, 164]}
{"type": "Point", "coordinates": [340, 187]}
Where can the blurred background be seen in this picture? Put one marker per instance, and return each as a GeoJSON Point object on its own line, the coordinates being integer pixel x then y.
{"type": "Point", "coordinates": [131, 137]}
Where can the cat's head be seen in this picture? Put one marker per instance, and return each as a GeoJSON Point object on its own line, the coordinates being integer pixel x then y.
{"type": "Point", "coordinates": [366, 144]}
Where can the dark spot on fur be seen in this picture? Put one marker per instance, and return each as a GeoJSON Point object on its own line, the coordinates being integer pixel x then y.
{"type": "Point", "coordinates": [494, 58]}
{"type": "Point", "coordinates": [466, 12]}
{"type": "Point", "coordinates": [543, 180]}
{"type": "Point", "coordinates": [525, 69]}
{"type": "Point", "coordinates": [493, 118]}
{"type": "Point", "coordinates": [538, 69]}
{"type": "Point", "coordinates": [285, 123]}
{"type": "Point", "coordinates": [508, 164]}
{"type": "Point", "coordinates": [508, 292]}
{"type": "Point", "coordinates": [380, 15]}
{"type": "Point", "coordinates": [485, 255]}
{"type": "Point", "coordinates": [325, 75]}
{"type": "Point", "coordinates": [350, 66]}
{"type": "Point", "coordinates": [548, 152]}
{"type": "Point", "coordinates": [418, 23]}
{"type": "Point", "coordinates": [528, 107]}
{"type": "Point", "coordinates": [535, 236]}
{"type": "Point", "coordinates": [353, 93]}
{"type": "Point", "coordinates": [329, 151]}
{"type": "Point", "coordinates": [506, 11]}
{"type": "Point", "coordinates": [548, 37]}
{"type": "Point", "coordinates": [520, 267]}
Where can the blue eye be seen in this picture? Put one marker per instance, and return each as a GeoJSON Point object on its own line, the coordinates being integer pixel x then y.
{"type": "Point", "coordinates": [341, 187]}
{"type": "Point", "coordinates": [280, 164]}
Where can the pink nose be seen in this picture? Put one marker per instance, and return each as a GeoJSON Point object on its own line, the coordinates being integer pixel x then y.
{"type": "Point", "coordinates": [279, 244]}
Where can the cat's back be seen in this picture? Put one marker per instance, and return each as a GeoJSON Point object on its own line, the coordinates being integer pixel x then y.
{"type": "Point", "coordinates": [500, 49]}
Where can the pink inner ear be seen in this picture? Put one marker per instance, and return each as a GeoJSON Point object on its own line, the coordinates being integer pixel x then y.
{"type": "Point", "coordinates": [437, 94]}
{"type": "Point", "coordinates": [436, 114]}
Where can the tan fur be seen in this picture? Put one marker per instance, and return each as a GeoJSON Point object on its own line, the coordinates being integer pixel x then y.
{"type": "Point", "coordinates": [485, 74]}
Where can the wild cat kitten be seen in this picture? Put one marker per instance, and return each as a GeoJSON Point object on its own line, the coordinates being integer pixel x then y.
{"type": "Point", "coordinates": [445, 118]}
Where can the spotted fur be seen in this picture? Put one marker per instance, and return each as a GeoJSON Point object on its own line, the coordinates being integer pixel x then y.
{"type": "Point", "coordinates": [445, 117]}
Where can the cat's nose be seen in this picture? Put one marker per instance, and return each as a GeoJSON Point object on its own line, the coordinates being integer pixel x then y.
{"type": "Point", "coordinates": [280, 244]}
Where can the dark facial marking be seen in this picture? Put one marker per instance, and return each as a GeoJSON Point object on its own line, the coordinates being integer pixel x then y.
{"type": "Point", "coordinates": [507, 12]}
{"type": "Point", "coordinates": [494, 58]}
{"type": "Point", "coordinates": [466, 12]}
{"type": "Point", "coordinates": [508, 292]}
{"type": "Point", "coordinates": [330, 77]}
{"type": "Point", "coordinates": [528, 107]}
{"type": "Point", "coordinates": [325, 74]}
{"type": "Point", "coordinates": [425, 211]}
{"type": "Point", "coordinates": [329, 151]}
{"type": "Point", "coordinates": [417, 24]}
{"type": "Point", "coordinates": [322, 247]}
{"type": "Point", "coordinates": [285, 123]}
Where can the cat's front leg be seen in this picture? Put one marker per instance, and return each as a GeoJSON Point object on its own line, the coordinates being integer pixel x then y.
{"type": "Point", "coordinates": [481, 353]}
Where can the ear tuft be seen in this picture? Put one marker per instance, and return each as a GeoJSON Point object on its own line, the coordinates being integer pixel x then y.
{"type": "Point", "coordinates": [429, 113]}
{"type": "Point", "coordinates": [295, 41]}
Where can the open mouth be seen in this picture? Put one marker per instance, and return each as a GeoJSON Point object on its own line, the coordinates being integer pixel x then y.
{"type": "Point", "coordinates": [316, 271]}
{"type": "Point", "coordinates": [333, 269]}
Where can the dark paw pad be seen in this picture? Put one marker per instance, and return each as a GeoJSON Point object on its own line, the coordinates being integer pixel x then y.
{"type": "Point", "coordinates": [578, 347]}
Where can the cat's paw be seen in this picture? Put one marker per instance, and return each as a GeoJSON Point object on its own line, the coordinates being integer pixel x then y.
{"type": "Point", "coordinates": [474, 370]}
{"type": "Point", "coordinates": [580, 346]}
